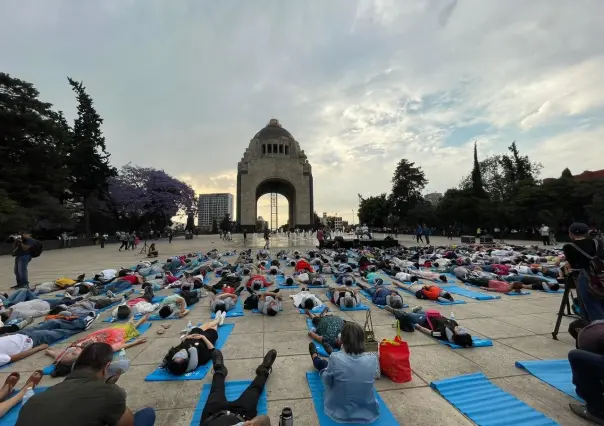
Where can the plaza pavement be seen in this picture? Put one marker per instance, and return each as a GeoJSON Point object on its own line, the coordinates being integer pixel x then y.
{"type": "Point", "coordinates": [520, 328]}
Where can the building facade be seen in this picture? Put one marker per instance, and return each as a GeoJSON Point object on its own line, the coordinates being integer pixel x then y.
{"type": "Point", "coordinates": [333, 222]}
{"type": "Point", "coordinates": [213, 207]}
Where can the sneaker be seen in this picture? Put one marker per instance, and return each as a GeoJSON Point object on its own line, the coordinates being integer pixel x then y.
{"type": "Point", "coordinates": [312, 348]}
{"type": "Point", "coordinates": [218, 363]}
{"type": "Point", "coordinates": [581, 411]}
{"type": "Point", "coordinates": [90, 319]}
{"type": "Point", "coordinates": [327, 348]}
{"type": "Point", "coordinates": [266, 367]}
{"type": "Point", "coordinates": [218, 315]}
{"type": "Point", "coordinates": [222, 318]}
{"type": "Point", "coordinates": [24, 323]}
{"type": "Point", "coordinates": [276, 290]}
{"type": "Point", "coordinates": [67, 295]}
{"type": "Point", "coordinates": [128, 293]}
{"type": "Point", "coordinates": [416, 309]}
{"type": "Point", "coordinates": [110, 294]}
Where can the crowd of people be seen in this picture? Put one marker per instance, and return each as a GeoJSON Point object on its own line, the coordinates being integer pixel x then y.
{"type": "Point", "coordinates": [327, 277]}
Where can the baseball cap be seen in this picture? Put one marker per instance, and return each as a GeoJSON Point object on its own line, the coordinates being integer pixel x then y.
{"type": "Point", "coordinates": [578, 228]}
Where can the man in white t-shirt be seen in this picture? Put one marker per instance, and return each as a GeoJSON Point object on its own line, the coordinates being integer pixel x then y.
{"type": "Point", "coordinates": [545, 234]}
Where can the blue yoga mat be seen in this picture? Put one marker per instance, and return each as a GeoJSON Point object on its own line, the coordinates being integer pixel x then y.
{"type": "Point", "coordinates": [156, 317]}
{"type": "Point", "coordinates": [368, 296]}
{"type": "Point", "coordinates": [358, 307]}
{"type": "Point", "coordinates": [280, 281]}
{"type": "Point", "coordinates": [522, 293]}
{"type": "Point", "coordinates": [10, 418]}
{"type": "Point", "coordinates": [232, 391]}
{"type": "Point", "coordinates": [317, 391]}
{"type": "Point", "coordinates": [460, 291]}
{"type": "Point", "coordinates": [141, 329]}
{"type": "Point", "coordinates": [161, 375]}
{"type": "Point", "coordinates": [316, 310]}
{"type": "Point", "coordinates": [556, 373]}
{"type": "Point", "coordinates": [473, 395]}
{"type": "Point", "coordinates": [237, 310]}
{"type": "Point", "coordinates": [476, 343]}
{"type": "Point", "coordinates": [320, 349]}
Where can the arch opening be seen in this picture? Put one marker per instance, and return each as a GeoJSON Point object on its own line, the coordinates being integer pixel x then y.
{"type": "Point", "coordinates": [276, 202]}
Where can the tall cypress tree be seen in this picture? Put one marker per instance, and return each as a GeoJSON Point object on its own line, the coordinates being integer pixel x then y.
{"type": "Point", "coordinates": [88, 159]}
{"type": "Point", "coordinates": [477, 187]}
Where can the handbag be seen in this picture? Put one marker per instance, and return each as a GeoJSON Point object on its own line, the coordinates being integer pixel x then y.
{"type": "Point", "coordinates": [395, 358]}
{"type": "Point", "coordinates": [371, 344]}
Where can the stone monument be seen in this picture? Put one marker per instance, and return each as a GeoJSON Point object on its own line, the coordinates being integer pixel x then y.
{"type": "Point", "coordinates": [274, 163]}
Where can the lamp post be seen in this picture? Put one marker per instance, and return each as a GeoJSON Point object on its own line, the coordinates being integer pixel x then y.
{"type": "Point", "coordinates": [352, 217]}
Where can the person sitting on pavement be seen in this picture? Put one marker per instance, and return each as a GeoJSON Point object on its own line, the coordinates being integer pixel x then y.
{"type": "Point", "coordinates": [88, 395]}
{"type": "Point", "coordinates": [434, 325]}
{"type": "Point", "coordinates": [587, 365]}
{"type": "Point", "coordinates": [345, 297]}
{"type": "Point", "coordinates": [383, 296]}
{"type": "Point", "coordinates": [117, 336]}
{"type": "Point", "coordinates": [152, 251]}
{"type": "Point", "coordinates": [195, 349]}
{"type": "Point", "coordinates": [9, 385]}
{"type": "Point", "coordinates": [28, 341]}
{"type": "Point", "coordinates": [306, 300]}
{"type": "Point", "coordinates": [241, 412]}
{"type": "Point", "coordinates": [349, 377]}
{"type": "Point", "coordinates": [327, 329]}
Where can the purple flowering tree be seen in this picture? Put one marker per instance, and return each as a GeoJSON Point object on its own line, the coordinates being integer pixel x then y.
{"type": "Point", "coordinates": [142, 196]}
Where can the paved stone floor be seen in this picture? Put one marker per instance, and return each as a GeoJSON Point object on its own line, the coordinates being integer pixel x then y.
{"type": "Point", "coordinates": [519, 327]}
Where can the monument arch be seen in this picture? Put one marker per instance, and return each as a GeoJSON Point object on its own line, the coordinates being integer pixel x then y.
{"type": "Point", "coordinates": [273, 163]}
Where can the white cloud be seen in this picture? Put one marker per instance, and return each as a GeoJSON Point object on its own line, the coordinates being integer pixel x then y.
{"type": "Point", "coordinates": [360, 83]}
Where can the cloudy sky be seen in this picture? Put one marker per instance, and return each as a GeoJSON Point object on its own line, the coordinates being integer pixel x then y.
{"type": "Point", "coordinates": [184, 85]}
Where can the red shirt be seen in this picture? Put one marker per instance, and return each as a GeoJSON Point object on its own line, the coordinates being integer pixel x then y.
{"type": "Point", "coordinates": [499, 286]}
{"type": "Point", "coordinates": [253, 278]}
{"type": "Point", "coordinates": [432, 292]}
{"type": "Point", "coordinates": [132, 279]}
{"type": "Point", "coordinates": [302, 265]}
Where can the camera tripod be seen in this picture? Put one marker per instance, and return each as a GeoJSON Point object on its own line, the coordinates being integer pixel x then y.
{"type": "Point", "coordinates": [144, 248]}
{"type": "Point", "coordinates": [565, 304]}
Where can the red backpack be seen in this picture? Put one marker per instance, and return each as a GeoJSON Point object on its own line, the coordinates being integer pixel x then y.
{"type": "Point", "coordinates": [431, 314]}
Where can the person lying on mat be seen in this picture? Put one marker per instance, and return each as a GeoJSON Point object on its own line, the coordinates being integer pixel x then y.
{"type": "Point", "coordinates": [270, 303]}
{"type": "Point", "coordinates": [117, 336]}
{"type": "Point", "coordinates": [273, 272]}
{"type": "Point", "coordinates": [302, 265]}
{"type": "Point", "coordinates": [401, 276]}
{"type": "Point", "coordinates": [58, 284]}
{"type": "Point", "coordinates": [306, 300]}
{"type": "Point", "coordinates": [433, 324]}
{"type": "Point", "coordinates": [427, 291]}
{"type": "Point", "coordinates": [223, 302]}
{"type": "Point", "coordinates": [310, 279]}
{"type": "Point", "coordinates": [431, 276]}
{"type": "Point", "coordinates": [345, 297]}
{"type": "Point", "coordinates": [85, 306]}
{"type": "Point", "coordinates": [345, 279]}
{"type": "Point", "coordinates": [371, 278]}
{"type": "Point", "coordinates": [9, 386]}
{"type": "Point", "coordinates": [383, 296]}
{"type": "Point", "coordinates": [534, 282]}
{"type": "Point", "coordinates": [33, 307]}
{"type": "Point", "coordinates": [241, 412]}
{"type": "Point", "coordinates": [258, 282]}
{"type": "Point", "coordinates": [289, 280]}
{"type": "Point", "coordinates": [496, 285]}
{"type": "Point", "coordinates": [26, 342]}
{"type": "Point", "coordinates": [88, 396]}
{"type": "Point", "coordinates": [348, 377]}
{"type": "Point", "coordinates": [175, 305]}
{"type": "Point", "coordinates": [327, 329]}
{"type": "Point", "coordinates": [195, 349]}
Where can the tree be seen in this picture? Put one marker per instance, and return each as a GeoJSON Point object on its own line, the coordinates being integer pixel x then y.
{"type": "Point", "coordinates": [32, 138]}
{"type": "Point", "coordinates": [316, 219]}
{"type": "Point", "coordinates": [408, 182]}
{"type": "Point", "coordinates": [374, 211]}
{"type": "Point", "coordinates": [225, 225]}
{"type": "Point", "coordinates": [150, 196]}
{"type": "Point", "coordinates": [566, 174]}
{"type": "Point", "coordinates": [190, 222]}
{"type": "Point", "coordinates": [214, 226]}
{"type": "Point", "coordinates": [477, 187]}
{"type": "Point", "coordinates": [86, 156]}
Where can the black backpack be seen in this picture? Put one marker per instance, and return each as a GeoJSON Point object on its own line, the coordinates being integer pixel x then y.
{"type": "Point", "coordinates": [251, 302]}
{"type": "Point", "coordinates": [35, 250]}
{"type": "Point", "coordinates": [595, 273]}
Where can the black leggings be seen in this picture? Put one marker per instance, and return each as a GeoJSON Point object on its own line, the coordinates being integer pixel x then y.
{"type": "Point", "coordinates": [244, 406]}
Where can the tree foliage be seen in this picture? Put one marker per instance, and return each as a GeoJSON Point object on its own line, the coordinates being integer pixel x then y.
{"type": "Point", "coordinates": [374, 211]}
{"type": "Point", "coordinates": [408, 183]}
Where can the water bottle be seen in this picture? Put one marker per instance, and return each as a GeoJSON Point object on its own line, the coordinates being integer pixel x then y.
{"type": "Point", "coordinates": [287, 417]}
{"type": "Point", "coordinates": [189, 327]}
{"type": "Point", "coordinates": [28, 394]}
{"type": "Point", "coordinates": [121, 355]}
{"type": "Point", "coordinates": [452, 316]}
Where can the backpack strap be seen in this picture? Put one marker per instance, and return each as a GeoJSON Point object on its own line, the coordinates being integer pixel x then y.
{"type": "Point", "coordinates": [583, 252]}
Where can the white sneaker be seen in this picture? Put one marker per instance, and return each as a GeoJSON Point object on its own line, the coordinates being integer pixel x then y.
{"type": "Point", "coordinates": [110, 294]}
{"type": "Point", "coordinates": [218, 315]}
{"type": "Point", "coordinates": [90, 319]}
{"type": "Point", "coordinates": [222, 318]}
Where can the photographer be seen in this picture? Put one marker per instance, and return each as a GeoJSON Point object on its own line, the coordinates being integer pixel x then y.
{"type": "Point", "coordinates": [576, 254]}
{"type": "Point", "coordinates": [21, 251]}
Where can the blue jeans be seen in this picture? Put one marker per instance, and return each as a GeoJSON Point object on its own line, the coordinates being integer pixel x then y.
{"type": "Point", "coordinates": [21, 295]}
{"type": "Point", "coordinates": [319, 363]}
{"type": "Point", "coordinates": [117, 286]}
{"type": "Point", "coordinates": [20, 270]}
{"type": "Point", "coordinates": [144, 417]}
{"type": "Point", "coordinates": [588, 378]}
{"type": "Point", "coordinates": [52, 331]}
{"type": "Point", "coordinates": [593, 308]}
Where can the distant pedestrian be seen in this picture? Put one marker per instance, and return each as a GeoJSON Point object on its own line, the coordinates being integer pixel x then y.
{"type": "Point", "coordinates": [124, 241]}
{"type": "Point", "coordinates": [103, 238]}
{"type": "Point", "coordinates": [244, 235]}
{"type": "Point", "coordinates": [419, 231]}
{"type": "Point", "coordinates": [131, 239]}
{"type": "Point", "coordinates": [170, 236]}
{"type": "Point", "coordinates": [266, 239]}
{"type": "Point", "coordinates": [426, 233]}
{"type": "Point", "coordinates": [137, 241]}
